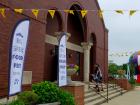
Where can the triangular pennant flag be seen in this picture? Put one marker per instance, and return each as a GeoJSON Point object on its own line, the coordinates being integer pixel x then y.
{"type": "Point", "coordinates": [69, 11]}
{"type": "Point", "coordinates": [2, 11]}
{"type": "Point", "coordinates": [18, 10]}
{"type": "Point", "coordinates": [132, 12]}
{"type": "Point", "coordinates": [119, 11]}
{"type": "Point", "coordinates": [35, 12]}
{"type": "Point", "coordinates": [52, 12]}
{"type": "Point", "coordinates": [83, 13]}
{"type": "Point", "coordinates": [100, 12]}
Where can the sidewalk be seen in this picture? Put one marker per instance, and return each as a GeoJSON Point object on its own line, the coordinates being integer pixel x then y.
{"type": "Point", "coordinates": [129, 98]}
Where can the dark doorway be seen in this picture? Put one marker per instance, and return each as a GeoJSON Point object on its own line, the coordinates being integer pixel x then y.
{"type": "Point", "coordinates": [76, 26]}
{"type": "Point", "coordinates": [50, 66]}
{"type": "Point", "coordinates": [92, 54]}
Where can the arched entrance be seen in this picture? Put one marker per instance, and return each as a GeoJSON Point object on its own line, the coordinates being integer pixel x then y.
{"type": "Point", "coordinates": [53, 25]}
{"type": "Point", "coordinates": [76, 26]}
{"type": "Point", "coordinates": [92, 54]}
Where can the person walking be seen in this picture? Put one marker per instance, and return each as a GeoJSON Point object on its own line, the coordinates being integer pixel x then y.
{"type": "Point", "coordinates": [98, 78]}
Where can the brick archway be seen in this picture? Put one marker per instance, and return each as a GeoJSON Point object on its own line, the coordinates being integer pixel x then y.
{"type": "Point", "coordinates": [77, 27]}
{"type": "Point", "coordinates": [50, 65]}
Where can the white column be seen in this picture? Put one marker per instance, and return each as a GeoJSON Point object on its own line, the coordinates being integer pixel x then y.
{"type": "Point", "coordinates": [86, 48]}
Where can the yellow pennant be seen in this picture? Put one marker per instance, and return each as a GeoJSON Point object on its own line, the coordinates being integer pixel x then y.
{"type": "Point", "coordinates": [100, 12]}
{"type": "Point", "coordinates": [132, 12]}
{"type": "Point", "coordinates": [69, 11]}
{"type": "Point", "coordinates": [2, 11]}
{"type": "Point", "coordinates": [52, 12]}
{"type": "Point", "coordinates": [18, 10]}
{"type": "Point", "coordinates": [35, 12]}
{"type": "Point", "coordinates": [119, 11]}
{"type": "Point", "coordinates": [83, 13]}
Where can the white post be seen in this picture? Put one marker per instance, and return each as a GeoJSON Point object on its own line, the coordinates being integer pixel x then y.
{"type": "Point", "coordinates": [86, 48]}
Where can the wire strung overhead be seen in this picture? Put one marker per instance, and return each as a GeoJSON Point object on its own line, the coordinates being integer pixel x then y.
{"type": "Point", "coordinates": [83, 12]}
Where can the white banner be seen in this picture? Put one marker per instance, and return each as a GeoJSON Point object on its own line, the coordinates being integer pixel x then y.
{"type": "Point", "coordinates": [128, 72]}
{"type": "Point", "coordinates": [17, 55]}
{"type": "Point", "coordinates": [62, 62]}
{"type": "Point", "coordinates": [138, 60]}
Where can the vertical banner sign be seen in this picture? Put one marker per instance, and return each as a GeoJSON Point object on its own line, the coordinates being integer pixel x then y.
{"type": "Point", "coordinates": [62, 73]}
{"type": "Point", "coordinates": [128, 72]}
{"type": "Point", "coordinates": [138, 70]}
{"type": "Point", "coordinates": [17, 55]}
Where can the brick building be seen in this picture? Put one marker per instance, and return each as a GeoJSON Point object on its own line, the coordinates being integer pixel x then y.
{"type": "Point", "coordinates": [87, 44]}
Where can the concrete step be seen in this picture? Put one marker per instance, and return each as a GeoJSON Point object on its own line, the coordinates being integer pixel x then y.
{"type": "Point", "coordinates": [89, 90]}
{"type": "Point", "coordinates": [91, 97]}
{"type": "Point", "coordinates": [101, 100]}
{"type": "Point", "coordinates": [92, 92]}
{"type": "Point", "coordinates": [95, 96]}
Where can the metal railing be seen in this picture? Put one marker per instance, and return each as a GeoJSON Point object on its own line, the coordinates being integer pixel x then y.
{"type": "Point", "coordinates": [110, 83]}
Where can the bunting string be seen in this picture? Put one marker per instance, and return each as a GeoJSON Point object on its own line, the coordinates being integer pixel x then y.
{"type": "Point", "coordinates": [84, 12]}
{"type": "Point", "coordinates": [121, 54]}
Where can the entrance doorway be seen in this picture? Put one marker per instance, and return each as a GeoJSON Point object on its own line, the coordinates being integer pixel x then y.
{"type": "Point", "coordinates": [51, 50]}
{"type": "Point", "coordinates": [76, 26]}
{"type": "Point", "coordinates": [92, 55]}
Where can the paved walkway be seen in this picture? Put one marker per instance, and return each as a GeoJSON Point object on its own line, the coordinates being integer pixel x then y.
{"type": "Point", "coordinates": [129, 98]}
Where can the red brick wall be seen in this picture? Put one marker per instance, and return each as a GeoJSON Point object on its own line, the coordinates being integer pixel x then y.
{"type": "Point", "coordinates": [77, 92]}
{"type": "Point", "coordinates": [35, 59]}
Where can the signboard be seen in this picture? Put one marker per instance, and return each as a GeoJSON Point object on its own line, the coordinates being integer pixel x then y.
{"type": "Point", "coordinates": [62, 73]}
{"type": "Point", "coordinates": [17, 55]}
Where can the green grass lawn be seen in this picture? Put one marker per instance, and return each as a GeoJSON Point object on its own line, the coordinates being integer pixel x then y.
{"type": "Point", "coordinates": [137, 84]}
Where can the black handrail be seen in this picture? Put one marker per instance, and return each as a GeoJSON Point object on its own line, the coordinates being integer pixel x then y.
{"type": "Point", "coordinates": [106, 98]}
{"type": "Point", "coordinates": [114, 86]}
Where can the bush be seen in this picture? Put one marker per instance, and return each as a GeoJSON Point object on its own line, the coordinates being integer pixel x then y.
{"type": "Point", "coordinates": [47, 92]}
{"type": "Point", "coordinates": [17, 102]}
{"type": "Point", "coordinates": [28, 97]}
{"type": "Point", "coordinates": [66, 98]}
{"type": "Point", "coordinates": [132, 81]}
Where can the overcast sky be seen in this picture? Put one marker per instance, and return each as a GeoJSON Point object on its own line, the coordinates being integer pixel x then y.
{"type": "Point", "coordinates": [124, 31]}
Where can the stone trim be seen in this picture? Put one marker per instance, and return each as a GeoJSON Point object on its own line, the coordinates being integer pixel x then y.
{"type": "Point", "coordinates": [86, 45]}
{"type": "Point", "coordinates": [53, 40]}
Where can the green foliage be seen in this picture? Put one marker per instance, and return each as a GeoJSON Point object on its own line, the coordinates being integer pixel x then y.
{"type": "Point", "coordinates": [137, 84]}
{"type": "Point", "coordinates": [132, 81]}
{"type": "Point", "coordinates": [16, 102]}
{"type": "Point", "coordinates": [47, 92]}
{"type": "Point", "coordinates": [28, 97]}
{"type": "Point", "coordinates": [113, 69]}
{"type": "Point", "coordinates": [66, 98]}
{"type": "Point", "coordinates": [124, 67]}
{"type": "Point", "coordinates": [132, 70]}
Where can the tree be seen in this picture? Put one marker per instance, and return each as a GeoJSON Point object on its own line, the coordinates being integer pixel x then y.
{"type": "Point", "coordinates": [113, 69]}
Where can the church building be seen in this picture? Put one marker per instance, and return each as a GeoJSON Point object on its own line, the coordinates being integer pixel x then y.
{"type": "Point", "coordinates": [87, 39]}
